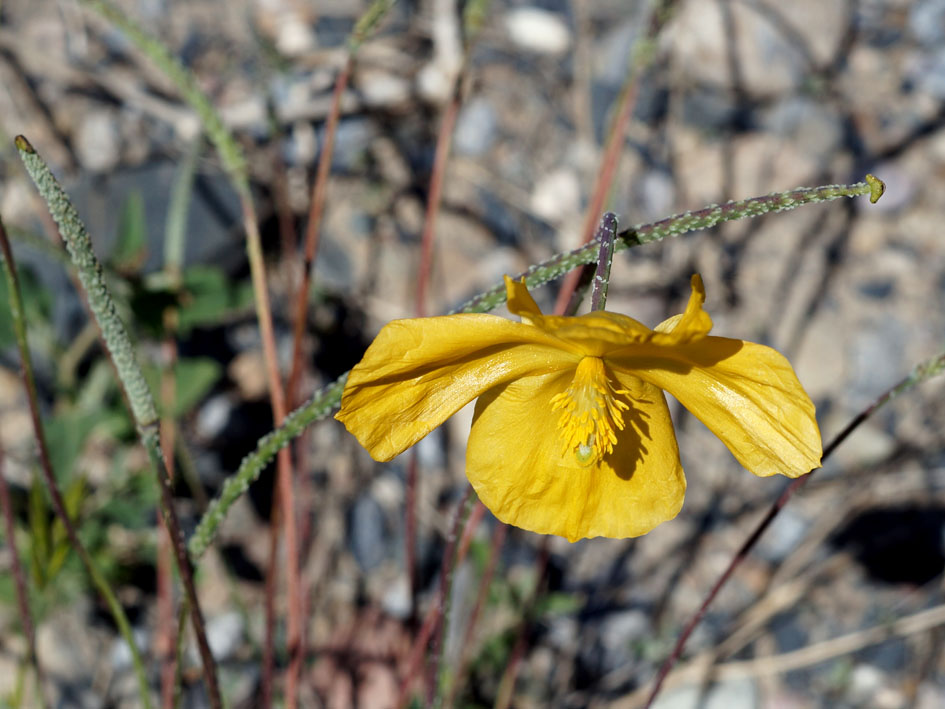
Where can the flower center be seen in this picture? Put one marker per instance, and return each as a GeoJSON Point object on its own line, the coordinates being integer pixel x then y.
{"type": "Point", "coordinates": [591, 412]}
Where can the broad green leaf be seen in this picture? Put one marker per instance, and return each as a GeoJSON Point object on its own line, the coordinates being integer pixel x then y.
{"type": "Point", "coordinates": [66, 434]}
{"type": "Point", "coordinates": [194, 377]}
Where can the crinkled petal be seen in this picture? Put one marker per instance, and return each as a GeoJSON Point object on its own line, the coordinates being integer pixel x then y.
{"type": "Point", "coordinates": [419, 372]}
{"type": "Point", "coordinates": [747, 394]}
{"type": "Point", "coordinates": [516, 463]}
{"type": "Point", "coordinates": [519, 301]}
{"type": "Point", "coordinates": [691, 325]}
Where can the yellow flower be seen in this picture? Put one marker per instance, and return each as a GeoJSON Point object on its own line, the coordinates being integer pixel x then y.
{"type": "Point", "coordinates": [571, 433]}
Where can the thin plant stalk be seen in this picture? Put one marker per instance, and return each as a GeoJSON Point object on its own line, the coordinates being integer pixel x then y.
{"type": "Point", "coordinates": [324, 401]}
{"type": "Point", "coordinates": [641, 60]}
{"type": "Point", "coordinates": [498, 539]}
{"type": "Point", "coordinates": [269, 608]}
{"type": "Point", "coordinates": [234, 163]}
{"type": "Point", "coordinates": [175, 233]}
{"type": "Point", "coordinates": [443, 142]}
{"type": "Point", "coordinates": [922, 372]}
{"type": "Point", "coordinates": [19, 581]}
{"type": "Point", "coordinates": [284, 474]}
{"type": "Point", "coordinates": [507, 683]}
{"type": "Point", "coordinates": [59, 506]}
{"type": "Point", "coordinates": [366, 24]}
{"type": "Point", "coordinates": [473, 16]}
{"type": "Point", "coordinates": [313, 228]}
{"type": "Point", "coordinates": [450, 557]}
{"type": "Point", "coordinates": [312, 235]}
{"type": "Point", "coordinates": [165, 630]}
{"type": "Point", "coordinates": [131, 380]}
{"type": "Point", "coordinates": [432, 619]}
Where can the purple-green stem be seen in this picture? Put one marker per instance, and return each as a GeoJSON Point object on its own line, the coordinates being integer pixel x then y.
{"type": "Point", "coordinates": [923, 371]}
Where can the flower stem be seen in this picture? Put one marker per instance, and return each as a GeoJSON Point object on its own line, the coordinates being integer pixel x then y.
{"type": "Point", "coordinates": [675, 225]}
{"type": "Point", "coordinates": [606, 233]}
{"type": "Point", "coordinates": [642, 57]}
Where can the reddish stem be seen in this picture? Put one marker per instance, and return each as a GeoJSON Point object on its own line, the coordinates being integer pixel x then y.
{"type": "Point", "coordinates": [166, 640]}
{"type": "Point", "coordinates": [753, 538]}
{"type": "Point", "coordinates": [313, 230]}
{"type": "Point", "coordinates": [19, 579]}
{"type": "Point", "coordinates": [498, 539]}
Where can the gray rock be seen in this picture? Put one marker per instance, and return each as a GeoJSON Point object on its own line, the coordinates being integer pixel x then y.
{"type": "Point", "coordinates": [121, 653]}
{"type": "Point", "coordinates": [352, 138]}
{"type": "Point", "coordinates": [786, 532]}
{"type": "Point", "coordinates": [737, 694]}
{"type": "Point", "coordinates": [475, 128]}
{"type": "Point", "coordinates": [617, 633]}
{"type": "Point", "coordinates": [927, 22]}
{"type": "Point", "coordinates": [928, 73]}
{"type": "Point", "coordinates": [612, 51]}
{"type": "Point", "coordinates": [875, 358]}
{"type": "Point", "coordinates": [225, 634]}
{"type": "Point", "coordinates": [536, 30]}
{"type": "Point", "coordinates": [367, 533]}
{"type": "Point", "coordinates": [809, 124]}
{"type": "Point", "coordinates": [97, 140]}
{"type": "Point", "coordinates": [396, 599]}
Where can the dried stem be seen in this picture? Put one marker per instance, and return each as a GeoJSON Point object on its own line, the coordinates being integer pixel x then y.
{"type": "Point", "coordinates": [164, 632]}
{"type": "Point", "coordinates": [432, 619]}
{"type": "Point", "coordinates": [507, 684]}
{"type": "Point", "coordinates": [19, 577]}
{"type": "Point", "coordinates": [498, 539]}
{"type": "Point", "coordinates": [922, 372]}
{"type": "Point", "coordinates": [642, 58]}
{"type": "Point", "coordinates": [450, 561]}
{"type": "Point", "coordinates": [313, 229]}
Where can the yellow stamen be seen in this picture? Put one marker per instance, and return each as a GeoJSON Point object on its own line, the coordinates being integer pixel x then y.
{"type": "Point", "coordinates": [591, 412]}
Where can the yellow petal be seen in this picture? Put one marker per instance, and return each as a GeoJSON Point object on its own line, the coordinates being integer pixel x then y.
{"type": "Point", "coordinates": [419, 372]}
{"type": "Point", "coordinates": [747, 394]}
{"type": "Point", "coordinates": [516, 464]}
{"type": "Point", "coordinates": [592, 334]}
{"type": "Point", "coordinates": [693, 324]}
{"type": "Point", "coordinates": [520, 301]}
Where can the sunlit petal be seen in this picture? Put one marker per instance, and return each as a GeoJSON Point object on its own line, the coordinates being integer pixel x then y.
{"type": "Point", "coordinates": [520, 301]}
{"type": "Point", "coordinates": [693, 324]}
{"type": "Point", "coordinates": [419, 372]}
{"type": "Point", "coordinates": [518, 466]}
{"type": "Point", "coordinates": [747, 394]}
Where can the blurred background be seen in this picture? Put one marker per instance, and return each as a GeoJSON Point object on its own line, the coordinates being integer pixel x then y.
{"type": "Point", "coordinates": [745, 97]}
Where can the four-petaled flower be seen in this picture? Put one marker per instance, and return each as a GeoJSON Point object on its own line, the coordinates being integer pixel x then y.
{"type": "Point", "coordinates": [571, 433]}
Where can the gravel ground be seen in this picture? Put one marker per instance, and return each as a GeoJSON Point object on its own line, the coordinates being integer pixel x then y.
{"type": "Point", "coordinates": [747, 97]}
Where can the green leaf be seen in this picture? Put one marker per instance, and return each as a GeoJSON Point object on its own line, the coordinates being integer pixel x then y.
{"type": "Point", "coordinates": [208, 296]}
{"type": "Point", "coordinates": [73, 497]}
{"type": "Point", "coordinates": [66, 434]}
{"type": "Point", "coordinates": [37, 302]}
{"type": "Point", "coordinates": [39, 534]}
{"type": "Point", "coordinates": [194, 377]}
{"type": "Point", "coordinates": [130, 247]}
{"type": "Point", "coordinates": [558, 604]}
{"type": "Point", "coordinates": [131, 504]}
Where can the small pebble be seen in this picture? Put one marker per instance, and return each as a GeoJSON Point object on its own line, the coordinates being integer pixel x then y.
{"type": "Point", "coordinates": [537, 30]}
